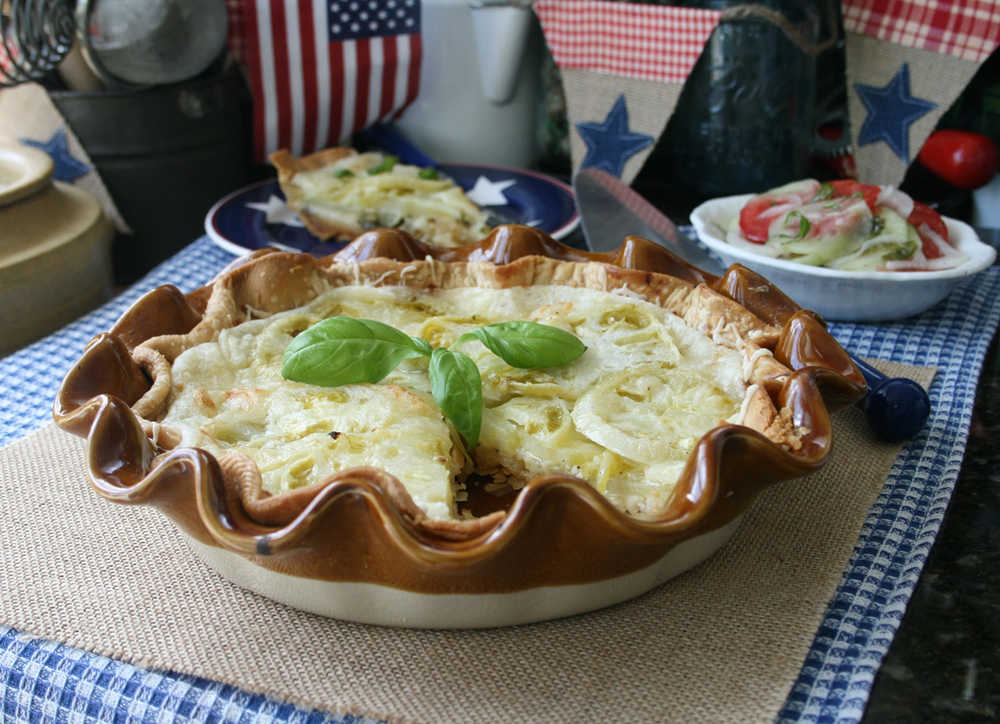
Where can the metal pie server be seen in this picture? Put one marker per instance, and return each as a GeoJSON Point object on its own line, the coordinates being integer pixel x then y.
{"type": "Point", "coordinates": [609, 210]}
{"type": "Point", "coordinates": [896, 407]}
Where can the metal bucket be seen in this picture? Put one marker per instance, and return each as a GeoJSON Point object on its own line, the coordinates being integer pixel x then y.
{"type": "Point", "coordinates": [166, 154]}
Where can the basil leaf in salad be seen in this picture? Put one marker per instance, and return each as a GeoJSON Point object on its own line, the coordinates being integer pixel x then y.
{"type": "Point", "coordinates": [878, 225]}
{"type": "Point", "coordinates": [824, 192]}
{"type": "Point", "coordinates": [457, 388]}
{"type": "Point", "coordinates": [343, 173]}
{"type": "Point", "coordinates": [528, 344]}
{"type": "Point", "coordinates": [345, 350]}
{"type": "Point", "coordinates": [804, 225]}
{"type": "Point", "coordinates": [428, 173]}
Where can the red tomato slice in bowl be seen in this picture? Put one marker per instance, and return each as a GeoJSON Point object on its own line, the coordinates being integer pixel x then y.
{"type": "Point", "coordinates": [924, 214]}
{"type": "Point", "coordinates": [753, 224]}
{"type": "Point", "coordinates": [849, 187]}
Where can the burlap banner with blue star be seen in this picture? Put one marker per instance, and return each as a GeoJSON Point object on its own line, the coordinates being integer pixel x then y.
{"type": "Point", "coordinates": [614, 125]}
{"type": "Point", "coordinates": [623, 67]}
{"type": "Point", "coordinates": [907, 62]}
{"type": "Point", "coordinates": [28, 115]}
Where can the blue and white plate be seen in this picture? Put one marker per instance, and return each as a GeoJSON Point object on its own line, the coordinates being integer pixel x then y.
{"type": "Point", "coordinates": [256, 216]}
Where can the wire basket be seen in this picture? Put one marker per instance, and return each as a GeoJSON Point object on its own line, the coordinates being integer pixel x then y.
{"type": "Point", "coordinates": [35, 35]}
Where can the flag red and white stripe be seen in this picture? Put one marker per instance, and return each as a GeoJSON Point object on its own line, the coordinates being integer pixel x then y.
{"type": "Point", "coordinates": [320, 70]}
{"type": "Point", "coordinates": [967, 29]}
{"type": "Point", "coordinates": [648, 42]}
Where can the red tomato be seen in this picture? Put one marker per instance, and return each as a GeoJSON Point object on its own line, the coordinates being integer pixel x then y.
{"type": "Point", "coordinates": [754, 227]}
{"type": "Point", "coordinates": [962, 158]}
{"type": "Point", "coordinates": [849, 187]}
{"type": "Point", "coordinates": [924, 214]}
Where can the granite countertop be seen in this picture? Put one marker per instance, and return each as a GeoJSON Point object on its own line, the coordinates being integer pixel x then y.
{"type": "Point", "coordinates": [944, 663]}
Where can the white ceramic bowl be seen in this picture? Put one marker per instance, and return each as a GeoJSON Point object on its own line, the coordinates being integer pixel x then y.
{"type": "Point", "coordinates": [856, 296]}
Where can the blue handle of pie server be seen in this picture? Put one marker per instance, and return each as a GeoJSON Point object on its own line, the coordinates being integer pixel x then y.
{"type": "Point", "coordinates": [896, 407]}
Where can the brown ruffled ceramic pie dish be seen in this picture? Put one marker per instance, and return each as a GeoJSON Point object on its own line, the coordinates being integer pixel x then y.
{"type": "Point", "coordinates": [354, 544]}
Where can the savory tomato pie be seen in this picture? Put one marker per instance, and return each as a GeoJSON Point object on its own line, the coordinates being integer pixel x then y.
{"type": "Point", "coordinates": [666, 361]}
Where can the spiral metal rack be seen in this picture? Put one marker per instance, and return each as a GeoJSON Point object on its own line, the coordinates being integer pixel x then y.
{"type": "Point", "coordinates": [35, 35]}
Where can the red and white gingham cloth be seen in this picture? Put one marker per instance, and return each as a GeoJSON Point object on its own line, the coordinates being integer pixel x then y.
{"type": "Point", "coordinates": [967, 29]}
{"type": "Point", "coordinates": [649, 42]}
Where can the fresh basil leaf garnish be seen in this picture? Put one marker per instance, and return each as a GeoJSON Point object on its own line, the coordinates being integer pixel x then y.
{"type": "Point", "coordinates": [457, 388]}
{"type": "Point", "coordinates": [344, 350]}
{"type": "Point", "coordinates": [343, 173]}
{"type": "Point", "coordinates": [422, 345]}
{"type": "Point", "coordinates": [528, 344]}
{"type": "Point", "coordinates": [428, 173]}
{"type": "Point", "coordinates": [386, 165]}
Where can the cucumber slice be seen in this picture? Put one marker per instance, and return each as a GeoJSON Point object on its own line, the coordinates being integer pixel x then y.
{"type": "Point", "coordinates": [893, 227]}
{"type": "Point", "coordinates": [822, 250]}
{"type": "Point", "coordinates": [894, 240]}
{"type": "Point", "coordinates": [876, 255]}
{"type": "Point", "coordinates": [833, 233]}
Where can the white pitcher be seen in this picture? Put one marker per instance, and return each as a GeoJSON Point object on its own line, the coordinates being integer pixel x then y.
{"type": "Point", "coordinates": [479, 83]}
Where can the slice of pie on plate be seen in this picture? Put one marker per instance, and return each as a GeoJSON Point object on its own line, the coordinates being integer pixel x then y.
{"type": "Point", "coordinates": [340, 193]}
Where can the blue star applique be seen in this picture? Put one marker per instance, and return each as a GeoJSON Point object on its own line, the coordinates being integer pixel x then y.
{"type": "Point", "coordinates": [610, 144]}
{"type": "Point", "coordinates": [65, 167]}
{"type": "Point", "coordinates": [891, 111]}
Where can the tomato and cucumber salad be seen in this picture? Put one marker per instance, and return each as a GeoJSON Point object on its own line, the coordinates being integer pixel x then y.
{"type": "Point", "coordinates": [845, 225]}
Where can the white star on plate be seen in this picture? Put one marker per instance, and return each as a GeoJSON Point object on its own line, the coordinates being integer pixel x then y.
{"type": "Point", "coordinates": [277, 212]}
{"type": "Point", "coordinates": [489, 193]}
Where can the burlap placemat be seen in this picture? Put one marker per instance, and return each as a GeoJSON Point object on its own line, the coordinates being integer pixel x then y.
{"type": "Point", "coordinates": [723, 642]}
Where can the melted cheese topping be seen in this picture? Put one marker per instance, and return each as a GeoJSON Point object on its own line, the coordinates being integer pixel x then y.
{"type": "Point", "coordinates": [624, 416]}
{"type": "Point", "coordinates": [436, 211]}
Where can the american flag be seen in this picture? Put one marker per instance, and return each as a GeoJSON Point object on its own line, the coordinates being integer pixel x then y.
{"type": "Point", "coordinates": [321, 69]}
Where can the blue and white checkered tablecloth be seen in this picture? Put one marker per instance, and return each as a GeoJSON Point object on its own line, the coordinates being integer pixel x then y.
{"type": "Point", "coordinates": [43, 680]}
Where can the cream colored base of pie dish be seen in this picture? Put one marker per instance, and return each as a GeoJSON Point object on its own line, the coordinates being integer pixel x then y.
{"type": "Point", "coordinates": [387, 606]}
